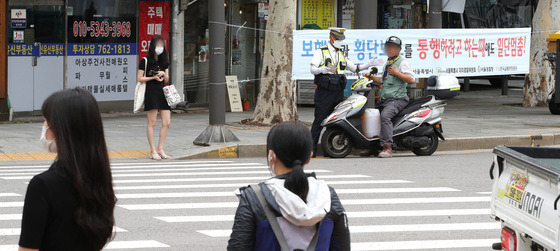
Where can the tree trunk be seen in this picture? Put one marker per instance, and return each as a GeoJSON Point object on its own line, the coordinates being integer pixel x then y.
{"type": "Point", "coordinates": [418, 13]}
{"type": "Point", "coordinates": [540, 80]}
{"type": "Point", "coordinates": [277, 96]}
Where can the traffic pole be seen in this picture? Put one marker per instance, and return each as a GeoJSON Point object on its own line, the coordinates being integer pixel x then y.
{"type": "Point", "coordinates": [434, 14]}
{"type": "Point", "coordinates": [365, 14]}
{"type": "Point", "coordinates": [216, 132]}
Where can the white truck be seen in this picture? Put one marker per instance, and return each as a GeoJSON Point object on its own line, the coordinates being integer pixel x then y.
{"type": "Point", "coordinates": [525, 198]}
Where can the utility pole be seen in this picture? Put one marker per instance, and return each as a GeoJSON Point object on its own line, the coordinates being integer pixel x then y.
{"type": "Point", "coordinates": [434, 14]}
{"type": "Point", "coordinates": [177, 47]}
{"type": "Point", "coordinates": [365, 14]}
{"type": "Point", "coordinates": [216, 132]}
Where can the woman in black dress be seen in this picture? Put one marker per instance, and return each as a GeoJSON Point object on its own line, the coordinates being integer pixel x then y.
{"type": "Point", "coordinates": [70, 206]}
{"type": "Point", "coordinates": [157, 74]}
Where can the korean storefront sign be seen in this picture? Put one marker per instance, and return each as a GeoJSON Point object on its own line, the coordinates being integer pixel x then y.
{"type": "Point", "coordinates": [319, 12]}
{"type": "Point", "coordinates": [457, 52]}
{"type": "Point", "coordinates": [102, 56]}
{"type": "Point", "coordinates": [154, 21]}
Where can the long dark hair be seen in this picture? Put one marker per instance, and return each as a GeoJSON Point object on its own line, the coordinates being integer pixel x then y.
{"type": "Point", "coordinates": [74, 118]}
{"type": "Point", "coordinates": [162, 59]}
{"type": "Point", "coordinates": [292, 145]}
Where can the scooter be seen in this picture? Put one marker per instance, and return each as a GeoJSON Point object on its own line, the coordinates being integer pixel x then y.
{"type": "Point", "coordinates": [417, 127]}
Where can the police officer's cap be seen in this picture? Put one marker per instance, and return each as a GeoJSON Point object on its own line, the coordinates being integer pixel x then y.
{"type": "Point", "coordinates": [394, 40]}
{"type": "Point", "coordinates": [338, 33]}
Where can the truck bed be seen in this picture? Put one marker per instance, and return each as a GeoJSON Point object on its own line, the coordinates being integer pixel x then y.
{"type": "Point", "coordinates": [526, 192]}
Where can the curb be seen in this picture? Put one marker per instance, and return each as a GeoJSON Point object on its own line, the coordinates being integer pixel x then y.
{"type": "Point", "coordinates": [453, 144]}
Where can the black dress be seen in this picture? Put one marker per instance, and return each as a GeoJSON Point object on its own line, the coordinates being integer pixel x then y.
{"type": "Point", "coordinates": [48, 214]}
{"type": "Point", "coordinates": [154, 97]}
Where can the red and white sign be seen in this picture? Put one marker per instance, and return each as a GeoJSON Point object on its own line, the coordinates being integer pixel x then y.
{"type": "Point", "coordinates": [154, 21]}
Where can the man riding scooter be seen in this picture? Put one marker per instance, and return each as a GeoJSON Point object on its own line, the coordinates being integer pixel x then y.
{"type": "Point", "coordinates": [397, 74]}
{"type": "Point", "coordinates": [328, 65]}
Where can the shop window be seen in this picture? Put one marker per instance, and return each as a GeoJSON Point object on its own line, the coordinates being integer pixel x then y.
{"type": "Point", "coordinates": [102, 21]}
{"type": "Point", "coordinates": [499, 13]}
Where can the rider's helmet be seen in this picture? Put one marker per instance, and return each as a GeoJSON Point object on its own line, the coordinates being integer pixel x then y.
{"type": "Point", "coordinates": [394, 40]}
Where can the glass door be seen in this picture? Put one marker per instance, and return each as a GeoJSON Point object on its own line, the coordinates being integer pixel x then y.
{"type": "Point", "coordinates": [35, 52]}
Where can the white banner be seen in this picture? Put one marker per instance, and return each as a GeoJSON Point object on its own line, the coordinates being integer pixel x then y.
{"type": "Point", "coordinates": [457, 52]}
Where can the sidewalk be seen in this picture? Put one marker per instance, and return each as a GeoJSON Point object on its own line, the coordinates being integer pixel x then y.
{"type": "Point", "coordinates": [479, 119]}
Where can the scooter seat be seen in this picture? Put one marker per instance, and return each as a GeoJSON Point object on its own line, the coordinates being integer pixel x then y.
{"type": "Point", "coordinates": [414, 105]}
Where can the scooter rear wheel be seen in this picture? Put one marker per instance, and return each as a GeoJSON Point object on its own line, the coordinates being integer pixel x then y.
{"type": "Point", "coordinates": [430, 149]}
{"type": "Point", "coordinates": [335, 143]}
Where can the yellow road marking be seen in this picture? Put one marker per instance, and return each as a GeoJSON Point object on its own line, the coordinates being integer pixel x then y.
{"type": "Point", "coordinates": [126, 154]}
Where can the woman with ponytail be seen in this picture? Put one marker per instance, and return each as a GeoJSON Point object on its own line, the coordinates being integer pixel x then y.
{"type": "Point", "coordinates": [292, 210]}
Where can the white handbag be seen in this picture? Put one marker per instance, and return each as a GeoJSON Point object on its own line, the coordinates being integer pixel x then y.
{"type": "Point", "coordinates": [172, 95]}
{"type": "Point", "coordinates": [140, 91]}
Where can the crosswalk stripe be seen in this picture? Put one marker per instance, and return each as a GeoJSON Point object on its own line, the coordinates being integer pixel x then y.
{"type": "Point", "coordinates": [135, 244]}
{"type": "Point", "coordinates": [111, 245]}
{"type": "Point", "coordinates": [201, 173]}
{"type": "Point", "coordinates": [173, 162]}
{"type": "Point", "coordinates": [9, 194]}
{"type": "Point", "coordinates": [340, 191]}
{"type": "Point", "coordinates": [425, 227]}
{"type": "Point", "coordinates": [425, 244]}
{"type": "Point", "coordinates": [484, 193]}
{"type": "Point", "coordinates": [11, 204]}
{"type": "Point", "coordinates": [363, 214]}
{"type": "Point", "coordinates": [217, 166]}
{"type": "Point", "coordinates": [149, 164]}
{"type": "Point", "coordinates": [392, 228]}
{"type": "Point", "coordinates": [344, 202]}
{"type": "Point", "coordinates": [170, 174]}
{"type": "Point", "coordinates": [233, 165]}
{"type": "Point", "coordinates": [228, 178]}
{"type": "Point", "coordinates": [398, 190]}
{"type": "Point", "coordinates": [189, 169]}
{"type": "Point", "coordinates": [17, 231]}
{"type": "Point", "coordinates": [179, 205]}
{"type": "Point", "coordinates": [237, 185]}
{"type": "Point", "coordinates": [414, 200]}
{"type": "Point", "coordinates": [10, 217]}
{"type": "Point", "coordinates": [166, 169]}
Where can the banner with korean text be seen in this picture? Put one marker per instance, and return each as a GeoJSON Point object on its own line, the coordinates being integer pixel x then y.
{"type": "Point", "coordinates": [457, 52]}
{"type": "Point", "coordinates": [153, 21]}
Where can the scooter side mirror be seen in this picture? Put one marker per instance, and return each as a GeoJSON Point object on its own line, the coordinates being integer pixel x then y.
{"type": "Point", "coordinates": [432, 80]}
{"type": "Point", "coordinates": [373, 71]}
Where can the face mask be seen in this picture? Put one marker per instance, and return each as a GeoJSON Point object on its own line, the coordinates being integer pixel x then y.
{"type": "Point", "coordinates": [271, 169]}
{"type": "Point", "coordinates": [159, 50]}
{"type": "Point", "coordinates": [337, 44]}
{"type": "Point", "coordinates": [48, 144]}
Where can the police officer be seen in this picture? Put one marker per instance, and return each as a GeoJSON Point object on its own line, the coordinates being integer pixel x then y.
{"type": "Point", "coordinates": [397, 74]}
{"type": "Point", "coordinates": [328, 66]}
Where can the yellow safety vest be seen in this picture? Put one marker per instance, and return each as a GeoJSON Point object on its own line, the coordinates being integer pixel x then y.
{"type": "Point", "coordinates": [327, 54]}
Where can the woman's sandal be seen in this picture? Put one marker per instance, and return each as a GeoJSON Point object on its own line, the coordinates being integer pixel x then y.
{"type": "Point", "coordinates": [155, 156]}
{"type": "Point", "coordinates": [164, 156]}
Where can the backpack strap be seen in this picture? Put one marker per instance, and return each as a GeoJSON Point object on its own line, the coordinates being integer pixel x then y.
{"type": "Point", "coordinates": [271, 218]}
{"type": "Point", "coordinates": [313, 242]}
{"type": "Point", "coordinates": [276, 226]}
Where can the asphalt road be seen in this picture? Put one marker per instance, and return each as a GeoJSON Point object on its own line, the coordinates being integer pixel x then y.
{"type": "Point", "coordinates": [439, 202]}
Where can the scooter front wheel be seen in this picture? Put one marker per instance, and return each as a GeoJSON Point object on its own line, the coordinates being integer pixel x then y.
{"type": "Point", "coordinates": [335, 143]}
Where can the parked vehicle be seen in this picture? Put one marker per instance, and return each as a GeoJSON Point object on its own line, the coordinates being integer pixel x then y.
{"type": "Point", "coordinates": [525, 197]}
{"type": "Point", "coordinates": [417, 127]}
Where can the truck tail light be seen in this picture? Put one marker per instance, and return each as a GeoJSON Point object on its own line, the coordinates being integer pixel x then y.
{"type": "Point", "coordinates": [509, 239]}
